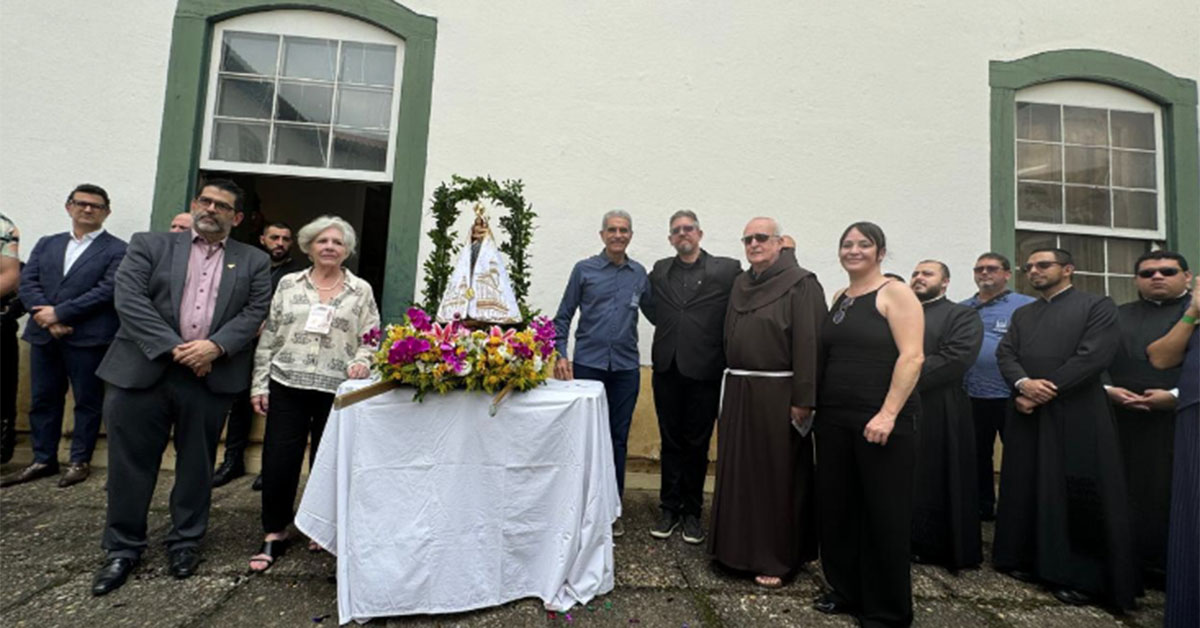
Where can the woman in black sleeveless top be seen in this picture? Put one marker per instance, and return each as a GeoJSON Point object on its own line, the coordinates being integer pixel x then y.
{"type": "Point", "coordinates": [872, 350]}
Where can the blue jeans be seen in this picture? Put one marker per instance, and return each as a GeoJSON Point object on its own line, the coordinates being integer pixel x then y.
{"type": "Point", "coordinates": [621, 389]}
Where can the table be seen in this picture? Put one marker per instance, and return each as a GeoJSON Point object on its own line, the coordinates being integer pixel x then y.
{"type": "Point", "coordinates": [437, 507]}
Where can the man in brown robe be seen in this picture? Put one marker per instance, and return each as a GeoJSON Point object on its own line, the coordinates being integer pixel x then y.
{"type": "Point", "coordinates": [763, 519]}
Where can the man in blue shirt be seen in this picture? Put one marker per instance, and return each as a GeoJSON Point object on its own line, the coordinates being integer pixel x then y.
{"type": "Point", "coordinates": [608, 290]}
{"type": "Point", "coordinates": [985, 386]}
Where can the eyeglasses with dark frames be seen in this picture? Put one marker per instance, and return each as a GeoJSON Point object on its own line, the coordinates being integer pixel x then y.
{"type": "Point", "coordinates": [839, 314]}
{"type": "Point", "coordinates": [86, 205]}
{"type": "Point", "coordinates": [1042, 265]}
{"type": "Point", "coordinates": [682, 229]}
{"type": "Point", "coordinates": [205, 201]}
{"type": "Point", "coordinates": [756, 237]}
{"type": "Point", "coordinates": [1169, 271]}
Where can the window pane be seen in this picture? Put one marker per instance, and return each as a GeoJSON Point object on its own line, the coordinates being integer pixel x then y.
{"type": "Point", "coordinates": [251, 53]}
{"type": "Point", "coordinates": [1083, 125]}
{"type": "Point", "coordinates": [1133, 130]}
{"type": "Point", "coordinates": [368, 64]}
{"type": "Point", "coordinates": [1134, 170]}
{"type": "Point", "coordinates": [245, 98]}
{"type": "Point", "coordinates": [356, 150]}
{"type": "Point", "coordinates": [1088, 252]}
{"type": "Point", "coordinates": [1135, 210]}
{"type": "Point", "coordinates": [1088, 206]}
{"type": "Point", "coordinates": [1087, 165]}
{"type": "Point", "coordinates": [1123, 254]}
{"type": "Point", "coordinates": [1037, 122]}
{"type": "Point", "coordinates": [1042, 162]}
{"type": "Point", "coordinates": [364, 109]}
{"type": "Point", "coordinates": [1088, 283]}
{"type": "Point", "coordinates": [1040, 202]}
{"type": "Point", "coordinates": [240, 141]}
{"type": "Point", "coordinates": [300, 146]}
{"type": "Point", "coordinates": [304, 102]}
{"type": "Point", "coordinates": [304, 57]}
{"type": "Point", "coordinates": [1122, 290]}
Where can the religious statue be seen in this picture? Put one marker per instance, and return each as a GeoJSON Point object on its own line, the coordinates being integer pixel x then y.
{"type": "Point", "coordinates": [479, 290]}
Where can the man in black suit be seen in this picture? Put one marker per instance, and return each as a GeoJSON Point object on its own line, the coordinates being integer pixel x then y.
{"type": "Point", "coordinates": [68, 287]}
{"type": "Point", "coordinates": [190, 303]}
{"type": "Point", "coordinates": [691, 293]}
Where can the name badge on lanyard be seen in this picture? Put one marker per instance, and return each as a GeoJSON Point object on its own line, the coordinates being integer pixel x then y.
{"type": "Point", "coordinates": [1001, 325]}
{"type": "Point", "coordinates": [320, 319]}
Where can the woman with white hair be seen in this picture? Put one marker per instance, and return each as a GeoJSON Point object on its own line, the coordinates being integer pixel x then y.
{"type": "Point", "coordinates": [310, 344]}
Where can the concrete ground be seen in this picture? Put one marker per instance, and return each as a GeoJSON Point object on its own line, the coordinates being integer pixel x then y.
{"type": "Point", "coordinates": [49, 546]}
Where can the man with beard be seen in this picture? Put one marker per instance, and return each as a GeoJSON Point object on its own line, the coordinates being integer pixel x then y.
{"type": "Point", "coordinates": [189, 306]}
{"type": "Point", "coordinates": [945, 526]}
{"type": "Point", "coordinates": [1144, 402]}
{"type": "Point", "coordinates": [691, 292]}
{"type": "Point", "coordinates": [986, 387]}
{"type": "Point", "coordinates": [1063, 516]}
{"type": "Point", "coordinates": [763, 519]}
{"type": "Point", "coordinates": [276, 240]}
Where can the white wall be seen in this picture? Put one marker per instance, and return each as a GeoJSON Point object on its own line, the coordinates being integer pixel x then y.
{"type": "Point", "coordinates": [816, 113]}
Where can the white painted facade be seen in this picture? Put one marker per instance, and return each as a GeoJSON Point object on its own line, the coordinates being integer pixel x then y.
{"type": "Point", "coordinates": [815, 113]}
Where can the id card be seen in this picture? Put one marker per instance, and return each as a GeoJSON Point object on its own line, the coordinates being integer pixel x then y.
{"type": "Point", "coordinates": [320, 319]}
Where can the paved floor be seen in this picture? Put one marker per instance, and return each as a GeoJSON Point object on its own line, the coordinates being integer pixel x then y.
{"type": "Point", "coordinates": [49, 540]}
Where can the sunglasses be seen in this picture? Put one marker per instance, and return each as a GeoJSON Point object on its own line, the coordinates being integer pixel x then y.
{"type": "Point", "coordinates": [205, 201]}
{"type": "Point", "coordinates": [683, 229]}
{"type": "Point", "coordinates": [839, 314]}
{"type": "Point", "coordinates": [1147, 273]}
{"type": "Point", "coordinates": [1040, 266]}
{"type": "Point", "coordinates": [987, 269]}
{"type": "Point", "coordinates": [756, 237]}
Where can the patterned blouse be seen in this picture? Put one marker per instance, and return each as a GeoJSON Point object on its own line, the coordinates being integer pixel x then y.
{"type": "Point", "coordinates": [313, 361]}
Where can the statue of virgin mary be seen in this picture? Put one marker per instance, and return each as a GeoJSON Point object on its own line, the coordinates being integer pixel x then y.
{"type": "Point", "coordinates": [479, 289]}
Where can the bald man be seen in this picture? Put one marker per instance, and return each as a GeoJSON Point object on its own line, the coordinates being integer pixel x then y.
{"type": "Point", "coordinates": [181, 222]}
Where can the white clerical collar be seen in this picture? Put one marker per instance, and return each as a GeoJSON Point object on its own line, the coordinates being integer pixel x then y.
{"type": "Point", "coordinates": [934, 299]}
{"type": "Point", "coordinates": [1056, 294]}
{"type": "Point", "coordinates": [1179, 296]}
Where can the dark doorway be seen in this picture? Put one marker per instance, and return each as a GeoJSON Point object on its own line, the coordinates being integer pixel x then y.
{"type": "Point", "coordinates": [297, 201]}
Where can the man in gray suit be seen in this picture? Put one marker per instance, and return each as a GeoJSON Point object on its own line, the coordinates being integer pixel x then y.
{"type": "Point", "coordinates": [189, 305]}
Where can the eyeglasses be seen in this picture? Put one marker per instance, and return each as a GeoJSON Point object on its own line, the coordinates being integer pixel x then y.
{"type": "Point", "coordinates": [756, 237]}
{"type": "Point", "coordinates": [993, 268]}
{"type": "Point", "coordinates": [1043, 265]}
{"type": "Point", "coordinates": [86, 205]}
{"type": "Point", "coordinates": [205, 201]}
{"type": "Point", "coordinates": [683, 229]}
{"type": "Point", "coordinates": [839, 315]}
{"type": "Point", "coordinates": [1169, 271]}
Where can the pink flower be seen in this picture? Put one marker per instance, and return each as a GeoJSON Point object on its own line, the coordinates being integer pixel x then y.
{"type": "Point", "coordinates": [372, 337]}
{"type": "Point", "coordinates": [520, 349]}
{"type": "Point", "coordinates": [419, 319]}
{"type": "Point", "coordinates": [406, 350]}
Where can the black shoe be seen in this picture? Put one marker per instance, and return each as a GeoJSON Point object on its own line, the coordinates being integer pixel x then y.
{"type": "Point", "coordinates": [692, 532]}
{"type": "Point", "coordinates": [183, 561]}
{"type": "Point", "coordinates": [1072, 597]}
{"type": "Point", "coordinates": [257, 486]}
{"type": "Point", "coordinates": [830, 604]}
{"type": "Point", "coordinates": [1024, 576]}
{"type": "Point", "coordinates": [987, 514]}
{"type": "Point", "coordinates": [112, 575]}
{"type": "Point", "coordinates": [35, 471]}
{"type": "Point", "coordinates": [228, 472]}
{"type": "Point", "coordinates": [667, 522]}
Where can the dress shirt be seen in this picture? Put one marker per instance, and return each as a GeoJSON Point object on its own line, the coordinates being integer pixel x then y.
{"type": "Point", "coordinates": [608, 297]}
{"type": "Point", "coordinates": [983, 379]}
{"type": "Point", "coordinates": [200, 288]}
{"type": "Point", "coordinates": [76, 247]}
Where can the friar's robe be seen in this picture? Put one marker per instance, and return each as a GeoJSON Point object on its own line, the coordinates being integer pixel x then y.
{"type": "Point", "coordinates": [1147, 438]}
{"type": "Point", "coordinates": [1063, 513]}
{"type": "Point", "coordinates": [763, 520]}
{"type": "Point", "coordinates": [945, 494]}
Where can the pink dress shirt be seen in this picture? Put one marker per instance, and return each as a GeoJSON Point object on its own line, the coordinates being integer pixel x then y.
{"type": "Point", "coordinates": [200, 288]}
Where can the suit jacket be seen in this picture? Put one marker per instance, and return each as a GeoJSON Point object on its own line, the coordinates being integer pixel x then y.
{"type": "Point", "coordinates": [149, 288]}
{"type": "Point", "coordinates": [83, 298]}
{"type": "Point", "coordinates": [691, 333]}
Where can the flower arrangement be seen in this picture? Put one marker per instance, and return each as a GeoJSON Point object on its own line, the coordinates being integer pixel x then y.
{"type": "Point", "coordinates": [434, 357]}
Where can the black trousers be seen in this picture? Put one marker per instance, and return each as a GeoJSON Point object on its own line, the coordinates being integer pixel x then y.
{"type": "Point", "coordinates": [687, 411]}
{"type": "Point", "coordinates": [9, 364]}
{"type": "Point", "coordinates": [237, 429]}
{"type": "Point", "coordinates": [52, 366]}
{"type": "Point", "coordinates": [989, 421]}
{"type": "Point", "coordinates": [293, 416]}
{"type": "Point", "coordinates": [865, 496]}
{"type": "Point", "coordinates": [139, 425]}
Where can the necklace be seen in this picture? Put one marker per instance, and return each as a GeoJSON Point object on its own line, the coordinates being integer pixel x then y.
{"type": "Point", "coordinates": [336, 283]}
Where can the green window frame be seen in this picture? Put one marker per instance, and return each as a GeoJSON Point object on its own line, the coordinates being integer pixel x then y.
{"type": "Point", "coordinates": [183, 119]}
{"type": "Point", "coordinates": [1176, 95]}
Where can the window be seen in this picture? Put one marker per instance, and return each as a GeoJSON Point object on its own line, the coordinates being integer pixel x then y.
{"type": "Point", "coordinates": [1089, 173]}
{"type": "Point", "coordinates": [307, 97]}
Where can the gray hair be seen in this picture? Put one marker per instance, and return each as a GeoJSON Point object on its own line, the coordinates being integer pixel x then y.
{"type": "Point", "coordinates": [684, 213]}
{"type": "Point", "coordinates": [616, 213]}
{"type": "Point", "coordinates": [775, 230]}
{"type": "Point", "coordinates": [309, 232]}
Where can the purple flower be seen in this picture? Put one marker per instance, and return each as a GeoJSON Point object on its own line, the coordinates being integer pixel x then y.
{"type": "Point", "coordinates": [419, 319]}
{"type": "Point", "coordinates": [372, 337]}
{"type": "Point", "coordinates": [406, 350]}
{"type": "Point", "coordinates": [543, 329]}
{"type": "Point", "coordinates": [520, 349]}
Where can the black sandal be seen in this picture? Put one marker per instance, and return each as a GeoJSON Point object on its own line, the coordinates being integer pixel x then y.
{"type": "Point", "coordinates": [269, 551]}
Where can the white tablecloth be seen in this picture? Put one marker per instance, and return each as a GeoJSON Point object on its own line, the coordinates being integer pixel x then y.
{"type": "Point", "coordinates": [436, 507]}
